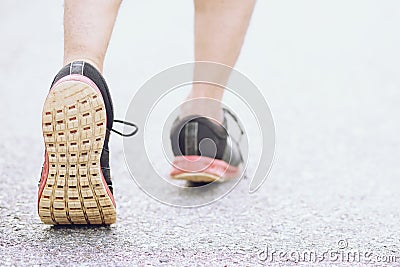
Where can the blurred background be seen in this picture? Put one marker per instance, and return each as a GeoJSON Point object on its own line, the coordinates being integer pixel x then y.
{"type": "Point", "coordinates": [328, 69]}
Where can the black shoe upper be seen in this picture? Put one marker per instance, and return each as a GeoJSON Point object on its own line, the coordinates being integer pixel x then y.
{"type": "Point", "coordinates": [200, 136]}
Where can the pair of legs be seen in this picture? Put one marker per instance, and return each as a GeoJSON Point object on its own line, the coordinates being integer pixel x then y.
{"type": "Point", "coordinates": [220, 27]}
{"type": "Point", "coordinates": [75, 186]}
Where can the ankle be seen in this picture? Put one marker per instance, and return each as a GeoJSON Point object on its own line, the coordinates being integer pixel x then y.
{"type": "Point", "coordinates": [203, 106]}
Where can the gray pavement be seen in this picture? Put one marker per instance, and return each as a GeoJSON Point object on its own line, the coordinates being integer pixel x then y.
{"type": "Point", "coordinates": [330, 73]}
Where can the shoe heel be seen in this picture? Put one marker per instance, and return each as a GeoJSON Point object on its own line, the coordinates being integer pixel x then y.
{"type": "Point", "coordinates": [201, 169]}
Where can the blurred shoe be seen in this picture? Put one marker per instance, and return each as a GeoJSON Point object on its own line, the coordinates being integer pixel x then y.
{"type": "Point", "coordinates": [75, 185]}
{"type": "Point", "coordinates": [204, 151]}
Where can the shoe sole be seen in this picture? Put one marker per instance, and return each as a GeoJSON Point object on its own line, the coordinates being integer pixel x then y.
{"type": "Point", "coordinates": [200, 169]}
{"type": "Point", "coordinates": [200, 177]}
{"type": "Point", "coordinates": [74, 129]}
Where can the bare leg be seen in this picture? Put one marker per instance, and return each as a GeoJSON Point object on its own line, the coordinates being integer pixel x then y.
{"type": "Point", "coordinates": [88, 25]}
{"type": "Point", "coordinates": [220, 27]}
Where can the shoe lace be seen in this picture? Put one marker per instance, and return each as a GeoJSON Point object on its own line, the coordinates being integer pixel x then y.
{"type": "Point", "coordinates": [237, 142]}
{"type": "Point", "coordinates": [126, 123]}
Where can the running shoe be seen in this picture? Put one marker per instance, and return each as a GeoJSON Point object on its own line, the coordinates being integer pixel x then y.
{"type": "Point", "coordinates": [204, 151]}
{"type": "Point", "coordinates": [75, 185]}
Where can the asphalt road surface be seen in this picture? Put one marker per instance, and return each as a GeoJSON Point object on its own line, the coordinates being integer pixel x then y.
{"type": "Point", "coordinates": [330, 72]}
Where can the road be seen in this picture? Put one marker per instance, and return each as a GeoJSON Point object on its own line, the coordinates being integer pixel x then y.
{"type": "Point", "coordinates": [329, 71]}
